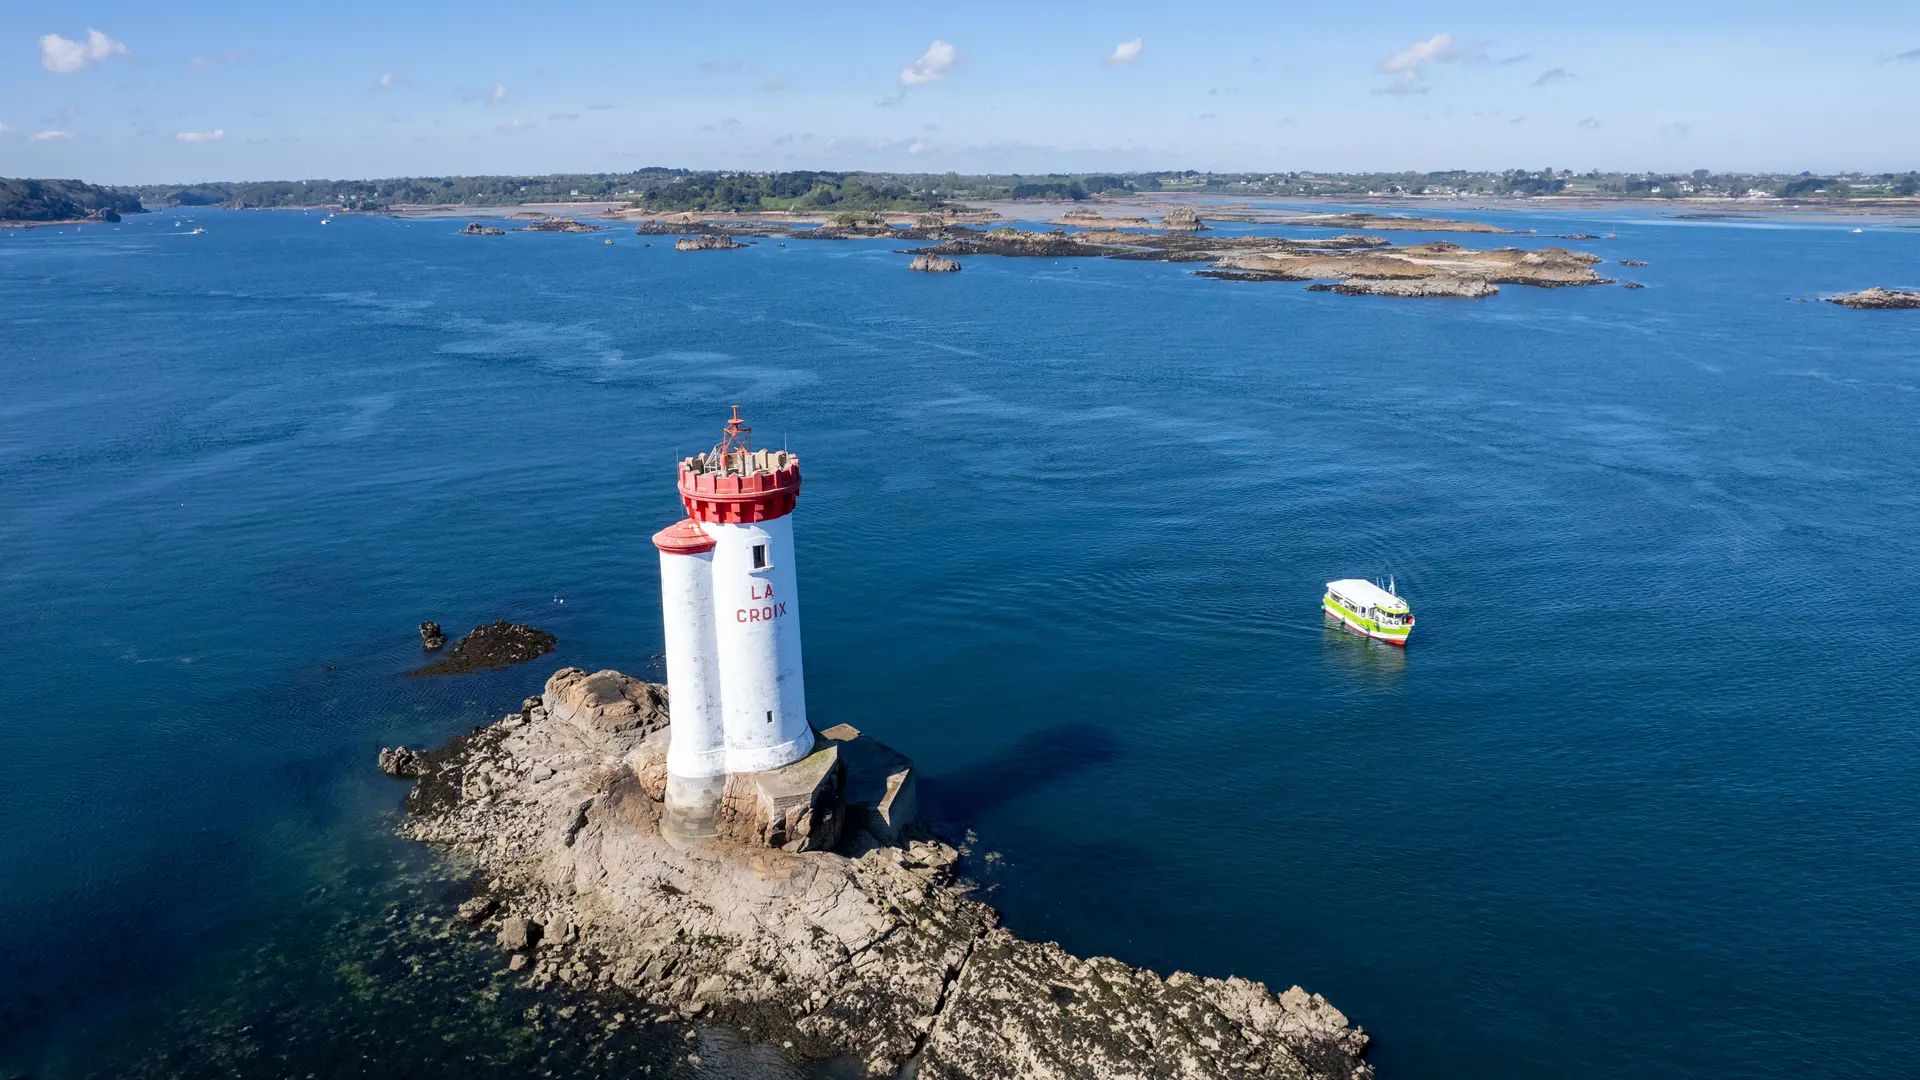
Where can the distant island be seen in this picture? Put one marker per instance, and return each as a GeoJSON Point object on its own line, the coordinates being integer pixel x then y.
{"type": "Point", "coordinates": [48, 202]}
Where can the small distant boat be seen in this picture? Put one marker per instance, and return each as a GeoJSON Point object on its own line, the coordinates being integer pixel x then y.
{"type": "Point", "coordinates": [196, 232]}
{"type": "Point", "coordinates": [1859, 230]}
{"type": "Point", "coordinates": [609, 243]}
{"type": "Point", "coordinates": [326, 221]}
{"type": "Point", "coordinates": [1368, 609]}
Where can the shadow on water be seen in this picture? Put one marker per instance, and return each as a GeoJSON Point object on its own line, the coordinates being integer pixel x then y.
{"type": "Point", "coordinates": [1035, 761]}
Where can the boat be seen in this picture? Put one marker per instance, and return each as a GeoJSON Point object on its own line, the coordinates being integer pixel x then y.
{"type": "Point", "coordinates": [1367, 609]}
{"type": "Point", "coordinates": [197, 232]}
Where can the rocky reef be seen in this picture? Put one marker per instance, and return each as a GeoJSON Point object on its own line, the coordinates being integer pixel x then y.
{"type": "Point", "coordinates": [431, 636]}
{"type": "Point", "coordinates": [933, 264]}
{"type": "Point", "coordinates": [492, 647]}
{"type": "Point", "coordinates": [1877, 298]}
{"type": "Point", "coordinates": [474, 228]}
{"type": "Point", "coordinates": [1450, 270]}
{"type": "Point", "coordinates": [707, 242]}
{"type": "Point", "coordinates": [849, 933]}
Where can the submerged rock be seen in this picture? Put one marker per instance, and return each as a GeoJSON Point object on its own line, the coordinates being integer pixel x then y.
{"type": "Point", "coordinates": [933, 264]}
{"type": "Point", "coordinates": [491, 647]}
{"type": "Point", "coordinates": [1877, 298]}
{"type": "Point", "coordinates": [863, 943]}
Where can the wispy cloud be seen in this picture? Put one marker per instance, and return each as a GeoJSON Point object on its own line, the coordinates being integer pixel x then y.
{"type": "Point", "coordinates": [563, 117]}
{"type": "Point", "coordinates": [492, 96]}
{"type": "Point", "coordinates": [1553, 75]}
{"type": "Point", "coordinates": [1408, 66]}
{"type": "Point", "coordinates": [387, 80]}
{"type": "Point", "coordinates": [730, 123]}
{"type": "Point", "coordinates": [1679, 129]}
{"type": "Point", "coordinates": [724, 67]}
{"type": "Point", "coordinates": [64, 57]}
{"type": "Point", "coordinates": [216, 135]}
{"type": "Point", "coordinates": [1518, 58]}
{"type": "Point", "coordinates": [1910, 54]}
{"type": "Point", "coordinates": [202, 63]}
{"type": "Point", "coordinates": [1588, 124]}
{"type": "Point", "coordinates": [518, 123]}
{"type": "Point", "coordinates": [1125, 53]}
{"type": "Point", "coordinates": [50, 136]}
{"type": "Point", "coordinates": [774, 84]}
{"type": "Point", "coordinates": [935, 64]}
{"type": "Point", "coordinates": [5, 131]}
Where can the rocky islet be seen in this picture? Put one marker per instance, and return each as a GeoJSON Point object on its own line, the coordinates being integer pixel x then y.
{"type": "Point", "coordinates": [857, 939]}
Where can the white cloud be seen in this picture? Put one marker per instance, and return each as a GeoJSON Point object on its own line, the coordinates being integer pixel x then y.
{"type": "Point", "coordinates": [57, 54]}
{"type": "Point", "coordinates": [518, 123]}
{"type": "Point", "coordinates": [1588, 124]}
{"type": "Point", "coordinates": [498, 94]}
{"type": "Point", "coordinates": [216, 135]}
{"type": "Point", "coordinates": [935, 64]}
{"type": "Point", "coordinates": [1408, 66]}
{"type": "Point", "coordinates": [5, 131]}
{"type": "Point", "coordinates": [50, 136]}
{"type": "Point", "coordinates": [1125, 53]}
{"type": "Point", "coordinates": [1553, 76]}
{"type": "Point", "coordinates": [386, 80]}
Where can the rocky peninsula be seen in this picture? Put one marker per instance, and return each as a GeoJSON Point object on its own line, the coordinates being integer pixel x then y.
{"type": "Point", "coordinates": [1877, 299]}
{"type": "Point", "coordinates": [827, 921]}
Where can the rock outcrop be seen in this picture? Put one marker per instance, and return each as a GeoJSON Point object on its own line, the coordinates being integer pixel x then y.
{"type": "Point", "coordinates": [1182, 219]}
{"type": "Point", "coordinates": [1469, 288]}
{"type": "Point", "coordinates": [400, 762]}
{"type": "Point", "coordinates": [474, 228]}
{"type": "Point", "coordinates": [430, 636]}
{"type": "Point", "coordinates": [559, 224]}
{"type": "Point", "coordinates": [933, 264]}
{"type": "Point", "coordinates": [491, 647]}
{"type": "Point", "coordinates": [707, 242]}
{"type": "Point", "coordinates": [874, 949]}
{"type": "Point", "coordinates": [1877, 298]}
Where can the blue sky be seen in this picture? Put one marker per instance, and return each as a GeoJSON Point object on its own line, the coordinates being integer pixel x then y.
{"type": "Point", "coordinates": [124, 92]}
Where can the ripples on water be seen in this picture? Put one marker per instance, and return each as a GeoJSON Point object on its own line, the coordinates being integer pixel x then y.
{"type": "Point", "coordinates": [1637, 799]}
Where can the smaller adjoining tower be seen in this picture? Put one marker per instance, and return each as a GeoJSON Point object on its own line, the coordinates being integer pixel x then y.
{"type": "Point", "coordinates": [732, 619]}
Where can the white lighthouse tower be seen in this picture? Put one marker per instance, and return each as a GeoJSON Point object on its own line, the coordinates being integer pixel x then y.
{"type": "Point", "coordinates": [732, 619]}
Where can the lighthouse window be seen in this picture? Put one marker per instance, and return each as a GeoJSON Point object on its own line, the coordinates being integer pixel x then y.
{"type": "Point", "coordinates": [769, 716]}
{"type": "Point", "coordinates": [759, 556]}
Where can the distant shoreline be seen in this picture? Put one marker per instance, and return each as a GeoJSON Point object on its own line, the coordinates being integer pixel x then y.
{"type": "Point", "coordinates": [1732, 209]}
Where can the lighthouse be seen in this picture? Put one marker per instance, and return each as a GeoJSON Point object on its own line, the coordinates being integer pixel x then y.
{"type": "Point", "coordinates": [737, 700]}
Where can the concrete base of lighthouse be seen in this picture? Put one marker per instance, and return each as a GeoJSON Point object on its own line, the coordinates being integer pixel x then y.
{"type": "Point", "coordinates": [690, 810]}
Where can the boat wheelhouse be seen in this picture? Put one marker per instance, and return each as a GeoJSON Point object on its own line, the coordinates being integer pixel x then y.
{"type": "Point", "coordinates": [1366, 608]}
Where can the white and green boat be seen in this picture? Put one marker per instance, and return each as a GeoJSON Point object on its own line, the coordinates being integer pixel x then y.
{"type": "Point", "coordinates": [1366, 608]}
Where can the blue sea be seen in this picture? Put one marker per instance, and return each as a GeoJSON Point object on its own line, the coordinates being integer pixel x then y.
{"type": "Point", "coordinates": [1640, 798]}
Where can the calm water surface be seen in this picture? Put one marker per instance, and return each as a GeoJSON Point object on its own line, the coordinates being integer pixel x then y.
{"type": "Point", "coordinates": [1640, 799]}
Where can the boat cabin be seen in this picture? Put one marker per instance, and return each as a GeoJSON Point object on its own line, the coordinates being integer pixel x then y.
{"type": "Point", "coordinates": [1370, 601]}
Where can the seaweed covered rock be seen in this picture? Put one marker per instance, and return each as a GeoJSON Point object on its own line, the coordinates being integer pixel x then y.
{"type": "Point", "coordinates": [492, 647]}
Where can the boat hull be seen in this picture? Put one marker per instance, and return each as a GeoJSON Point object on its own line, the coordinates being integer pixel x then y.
{"type": "Point", "coordinates": [1365, 627]}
